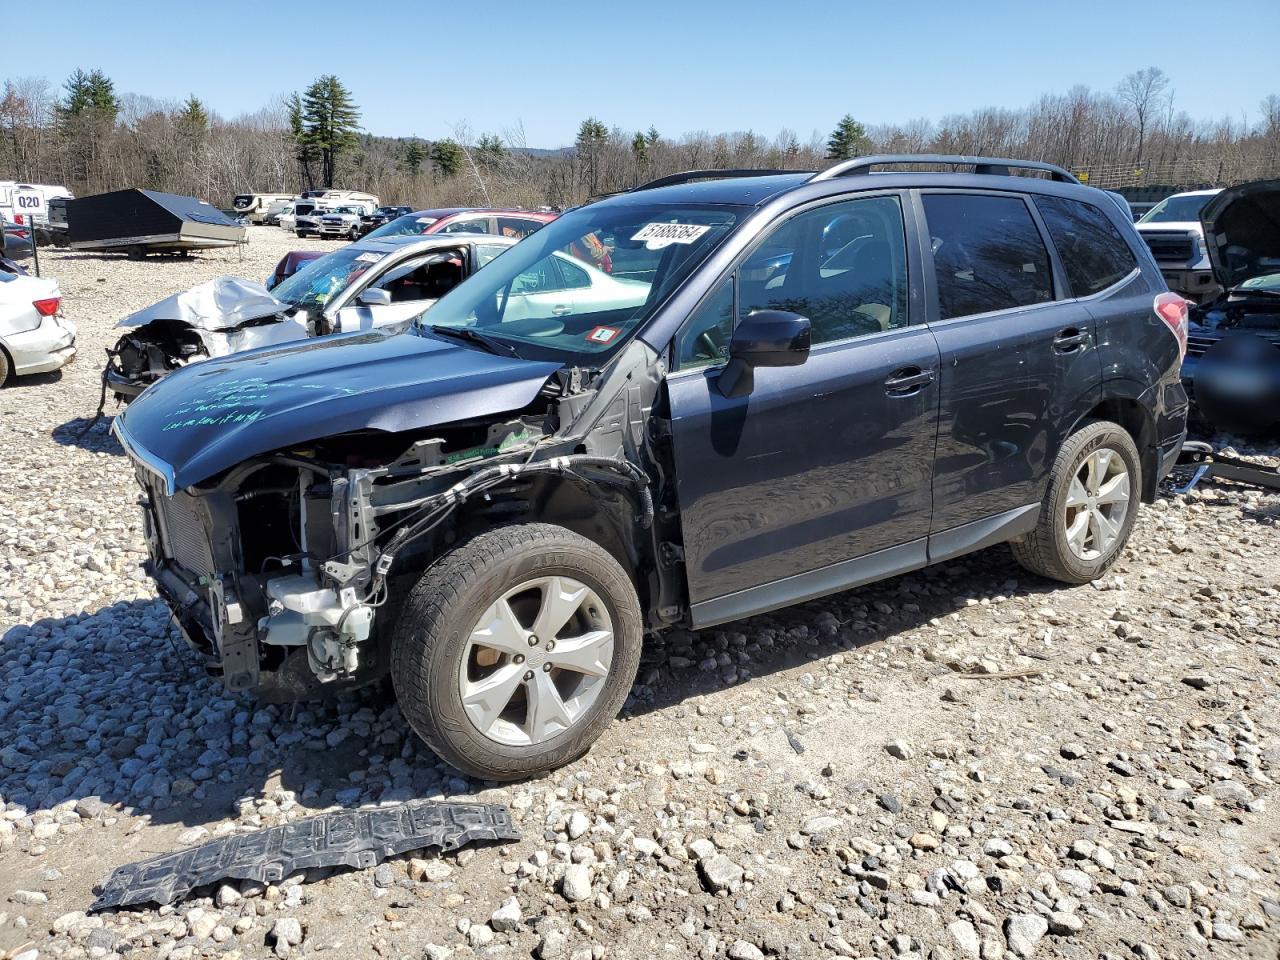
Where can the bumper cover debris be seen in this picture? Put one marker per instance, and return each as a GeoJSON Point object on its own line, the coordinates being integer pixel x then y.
{"type": "Point", "coordinates": [354, 838]}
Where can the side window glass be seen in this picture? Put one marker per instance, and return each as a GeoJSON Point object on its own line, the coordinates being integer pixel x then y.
{"type": "Point", "coordinates": [542, 277]}
{"type": "Point", "coordinates": [704, 338]}
{"type": "Point", "coordinates": [1093, 252]}
{"type": "Point", "coordinates": [987, 253]}
{"type": "Point", "coordinates": [486, 252]}
{"type": "Point", "coordinates": [844, 266]}
{"type": "Point", "coordinates": [517, 227]}
{"type": "Point", "coordinates": [573, 277]}
{"type": "Point", "coordinates": [426, 278]}
{"type": "Point", "coordinates": [468, 226]}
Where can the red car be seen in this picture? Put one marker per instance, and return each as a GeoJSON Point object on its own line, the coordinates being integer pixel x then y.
{"type": "Point", "coordinates": [291, 263]}
{"type": "Point", "coordinates": [499, 223]}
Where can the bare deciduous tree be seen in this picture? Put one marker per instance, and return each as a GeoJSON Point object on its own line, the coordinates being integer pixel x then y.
{"type": "Point", "coordinates": [1145, 92]}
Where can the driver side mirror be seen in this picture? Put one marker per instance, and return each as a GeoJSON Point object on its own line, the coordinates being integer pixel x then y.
{"type": "Point", "coordinates": [765, 338]}
{"type": "Point", "coordinates": [375, 298]}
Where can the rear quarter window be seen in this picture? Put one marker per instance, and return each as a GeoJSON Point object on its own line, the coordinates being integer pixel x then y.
{"type": "Point", "coordinates": [1093, 253]}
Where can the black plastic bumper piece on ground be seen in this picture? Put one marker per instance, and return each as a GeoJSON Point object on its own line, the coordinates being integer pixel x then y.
{"type": "Point", "coordinates": [1207, 465]}
{"type": "Point", "coordinates": [355, 838]}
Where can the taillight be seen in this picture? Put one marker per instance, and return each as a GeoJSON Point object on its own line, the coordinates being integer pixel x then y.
{"type": "Point", "coordinates": [47, 307]}
{"type": "Point", "coordinates": [1173, 310]}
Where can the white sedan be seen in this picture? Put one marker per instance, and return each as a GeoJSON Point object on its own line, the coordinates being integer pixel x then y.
{"type": "Point", "coordinates": [33, 337]}
{"type": "Point", "coordinates": [561, 285]}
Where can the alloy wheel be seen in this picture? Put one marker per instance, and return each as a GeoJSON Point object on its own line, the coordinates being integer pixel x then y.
{"type": "Point", "coordinates": [1097, 504]}
{"type": "Point", "coordinates": [537, 661]}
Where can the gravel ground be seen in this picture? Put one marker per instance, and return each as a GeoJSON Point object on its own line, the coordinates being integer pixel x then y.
{"type": "Point", "coordinates": [963, 762]}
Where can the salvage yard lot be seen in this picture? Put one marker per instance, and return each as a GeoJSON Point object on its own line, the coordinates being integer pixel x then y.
{"type": "Point", "coordinates": [965, 759]}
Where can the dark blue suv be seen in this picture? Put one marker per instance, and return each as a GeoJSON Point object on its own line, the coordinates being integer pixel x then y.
{"type": "Point", "coordinates": [703, 399]}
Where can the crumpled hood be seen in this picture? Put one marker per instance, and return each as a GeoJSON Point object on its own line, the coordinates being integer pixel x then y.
{"type": "Point", "coordinates": [1242, 231]}
{"type": "Point", "coordinates": [202, 419]}
{"type": "Point", "coordinates": [223, 303]}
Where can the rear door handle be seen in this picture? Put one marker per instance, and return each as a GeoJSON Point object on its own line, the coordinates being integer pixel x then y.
{"type": "Point", "coordinates": [1071, 340]}
{"type": "Point", "coordinates": [907, 381]}
{"type": "Point", "coordinates": [560, 309]}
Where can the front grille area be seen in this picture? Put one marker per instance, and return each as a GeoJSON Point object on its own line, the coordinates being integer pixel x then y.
{"type": "Point", "coordinates": [1170, 246]}
{"type": "Point", "coordinates": [182, 533]}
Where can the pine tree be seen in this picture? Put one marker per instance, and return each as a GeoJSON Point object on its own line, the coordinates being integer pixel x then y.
{"type": "Point", "coordinates": [92, 93]}
{"type": "Point", "coordinates": [413, 157]}
{"type": "Point", "coordinates": [848, 140]}
{"type": "Point", "coordinates": [652, 136]}
{"type": "Point", "coordinates": [193, 118]}
{"type": "Point", "coordinates": [592, 138]}
{"type": "Point", "coordinates": [330, 121]}
{"type": "Point", "coordinates": [305, 153]}
{"type": "Point", "coordinates": [447, 157]}
{"type": "Point", "coordinates": [490, 149]}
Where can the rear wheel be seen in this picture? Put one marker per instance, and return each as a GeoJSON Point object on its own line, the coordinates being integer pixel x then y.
{"type": "Point", "coordinates": [1090, 507]}
{"type": "Point", "coordinates": [516, 650]}
{"type": "Point", "coordinates": [4, 367]}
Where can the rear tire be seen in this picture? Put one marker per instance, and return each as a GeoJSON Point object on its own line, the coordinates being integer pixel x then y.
{"type": "Point", "coordinates": [1089, 509]}
{"type": "Point", "coordinates": [4, 367]}
{"type": "Point", "coordinates": [471, 663]}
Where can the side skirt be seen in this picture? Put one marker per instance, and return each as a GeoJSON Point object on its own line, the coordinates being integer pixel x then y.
{"type": "Point", "coordinates": [880, 565]}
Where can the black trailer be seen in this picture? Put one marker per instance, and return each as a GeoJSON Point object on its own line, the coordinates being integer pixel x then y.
{"type": "Point", "coordinates": [138, 222]}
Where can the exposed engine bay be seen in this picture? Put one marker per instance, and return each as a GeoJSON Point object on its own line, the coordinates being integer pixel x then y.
{"type": "Point", "coordinates": [287, 569]}
{"type": "Point", "coordinates": [215, 319]}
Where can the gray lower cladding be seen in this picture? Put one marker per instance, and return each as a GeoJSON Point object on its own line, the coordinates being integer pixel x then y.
{"type": "Point", "coordinates": [848, 574]}
{"type": "Point", "coordinates": [352, 838]}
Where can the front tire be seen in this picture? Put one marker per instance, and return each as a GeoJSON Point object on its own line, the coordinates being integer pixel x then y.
{"type": "Point", "coordinates": [516, 649]}
{"type": "Point", "coordinates": [1089, 509]}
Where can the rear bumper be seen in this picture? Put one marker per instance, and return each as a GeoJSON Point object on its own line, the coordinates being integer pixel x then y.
{"type": "Point", "coordinates": [48, 347]}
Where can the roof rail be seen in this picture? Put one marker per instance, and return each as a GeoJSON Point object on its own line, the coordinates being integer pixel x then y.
{"type": "Point", "coordinates": [688, 176]}
{"type": "Point", "coordinates": [993, 166]}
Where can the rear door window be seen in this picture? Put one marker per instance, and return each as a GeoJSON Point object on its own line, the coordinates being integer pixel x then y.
{"type": "Point", "coordinates": [1091, 249]}
{"type": "Point", "coordinates": [471, 225]}
{"type": "Point", "coordinates": [987, 253]}
{"type": "Point", "coordinates": [517, 227]}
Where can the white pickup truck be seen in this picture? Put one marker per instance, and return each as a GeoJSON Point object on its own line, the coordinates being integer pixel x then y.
{"type": "Point", "coordinates": [1173, 232]}
{"type": "Point", "coordinates": [343, 221]}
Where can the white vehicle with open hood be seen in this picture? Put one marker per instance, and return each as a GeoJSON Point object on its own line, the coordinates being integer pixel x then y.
{"type": "Point", "coordinates": [374, 283]}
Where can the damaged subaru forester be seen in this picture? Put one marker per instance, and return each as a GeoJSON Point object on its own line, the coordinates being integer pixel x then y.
{"type": "Point", "coordinates": [812, 382]}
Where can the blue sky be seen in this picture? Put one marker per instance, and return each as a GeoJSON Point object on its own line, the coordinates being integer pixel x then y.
{"type": "Point", "coordinates": [422, 68]}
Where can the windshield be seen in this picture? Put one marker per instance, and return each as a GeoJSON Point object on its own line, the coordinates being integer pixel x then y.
{"type": "Point", "coordinates": [585, 282]}
{"type": "Point", "coordinates": [321, 280]}
{"type": "Point", "coordinates": [406, 226]}
{"type": "Point", "coordinates": [1177, 209]}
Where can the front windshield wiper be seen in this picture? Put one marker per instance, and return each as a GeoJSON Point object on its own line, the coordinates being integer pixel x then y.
{"type": "Point", "coordinates": [471, 335]}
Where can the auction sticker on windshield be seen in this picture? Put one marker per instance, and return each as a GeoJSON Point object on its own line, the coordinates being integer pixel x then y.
{"type": "Point", "coordinates": [659, 235]}
{"type": "Point", "coordinates": [602, 334]}
{"type": "Point", "coordinates": [370, 257]}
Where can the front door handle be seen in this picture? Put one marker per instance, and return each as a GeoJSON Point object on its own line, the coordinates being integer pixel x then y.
{"type": "Point", "coordinates": [907, 381]}
{"type": "Point", "coordinates": [1071, 340]}
{"type": "Point", "coordinates": [560, 309]}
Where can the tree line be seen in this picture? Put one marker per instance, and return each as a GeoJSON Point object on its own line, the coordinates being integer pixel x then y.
{"type": "Point", "coordinates": [91, 138]}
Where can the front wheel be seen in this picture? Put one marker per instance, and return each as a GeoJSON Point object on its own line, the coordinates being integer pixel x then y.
{"type": "Point", "coordinates": [1090, 507]}
{"type": "Point", "coordinates": [516, 649]}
